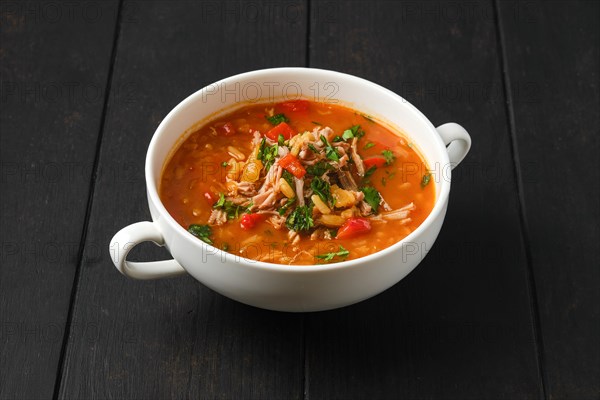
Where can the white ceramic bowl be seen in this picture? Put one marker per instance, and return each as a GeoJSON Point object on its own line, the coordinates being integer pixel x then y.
{"type": "Point", "coordinates": [284, 287]}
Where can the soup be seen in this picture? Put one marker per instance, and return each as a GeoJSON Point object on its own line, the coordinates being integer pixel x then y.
{"type": "Point", "coordinates": [297, 182]}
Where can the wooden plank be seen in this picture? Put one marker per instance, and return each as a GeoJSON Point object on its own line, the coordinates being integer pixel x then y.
{"type": "Point", "coordinates": [552, 60]}
{"type": "Point", "coordinates": [175, 338]}
{"type": "Point", "coordinates": [54, 59]}
{"type": "Point", "coordinates": [460, 326]}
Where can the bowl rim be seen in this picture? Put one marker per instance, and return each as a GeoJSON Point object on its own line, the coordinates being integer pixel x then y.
{"type": "Point", "coordinates": [152, 191]}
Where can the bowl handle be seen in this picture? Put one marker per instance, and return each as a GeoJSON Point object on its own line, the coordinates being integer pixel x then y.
{"type": "Point", "coordinates": [127, 238]}
{"type": "Point", "coordinates": [457, 140]}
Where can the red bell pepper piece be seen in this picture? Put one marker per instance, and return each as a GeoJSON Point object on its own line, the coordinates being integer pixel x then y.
{"type": "Point", "coordinates": [295, 105]}
{"type": "Point", "coordinates": [281, 129]}
{"type": "Point", "coordinates": [375, 161]}
{"type": "Point", "coordinates": [250, 220]}
{"type": "Point", "coordinates": [290, 163]}
{"type": "Point", "coordinates": [353, 227]}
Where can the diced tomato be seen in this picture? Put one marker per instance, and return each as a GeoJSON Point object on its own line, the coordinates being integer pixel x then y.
{"type": "Point", "coordinates": [281, 129]}
{"type": "Point", "coordinates": [353, 227]}
{"type": "Point", "coordinates": [210, 198]}
{"type": "Point", "coordinates": [376, 161]}
{"type": "Point", "coordinates": [227, 129]}
{"type": "Point", "coordinates": [295, 105]}
{"type": "Point", "coordinates": [250, 220]}
{"type": "Point", "coordinates": [292, 164]}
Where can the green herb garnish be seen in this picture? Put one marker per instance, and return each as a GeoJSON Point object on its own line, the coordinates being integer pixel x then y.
{"type": "Point", "coordinates": [225, 247]}
{"type": "Point", "coordinates": [368, 146]}
{"type": "Point", "coordinates": [425, 180]}
{"type": "Point", "coordinates": [319, 168]}
{"type": "Point", "coordinates": [370, 171]}
{"type": "Point", "coordinates": [330, 152]}
{"type": "Point", "coordinates": [329, 256]}
{"type": "Point", "coordinates": [322, 189]}
{"type": "Point", "coordinates": [232, 210]}
{"type": "Point", "coordinates": [277, 119]}
{"type": "Point", "coordinates": [280, 140]}
{"type": "Point", "coordinates": [354, 131]}
{"type": "Point", "coordinates": [267, 154]}
{"type": "Point", "coordinates": [202, 232]}
{"type": "Point", "coordinates": [287, 205]}
{"type": "Point", "coordinates": [289, 178]}
{"type": "Point", "coordinates": [347, 134]}
{"type": "Point", "coordinates": [317, 123]}
{"type": "Point", "coordinates": [224, 164]}
{"type": "Point", "coordinates": [389, 157]}
{"type": "Point", "coordinates": [372, 197]}
{"type": "Point", "coordinates": [300, 219]}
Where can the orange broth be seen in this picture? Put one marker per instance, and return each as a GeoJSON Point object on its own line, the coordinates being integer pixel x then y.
{"type": "Point", "coordinates": [195, 175]}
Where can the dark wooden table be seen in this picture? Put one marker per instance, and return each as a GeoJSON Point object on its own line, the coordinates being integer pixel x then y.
{"type": "Point", "coordinates": [506, 305]}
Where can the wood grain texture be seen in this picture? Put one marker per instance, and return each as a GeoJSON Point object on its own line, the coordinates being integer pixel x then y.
{"type": "Point", "coordinates": [54, 62]}
{"type": "Point", "coordinates": [460, 326]}
{"type": "Point", "coordinates": [552, 60]}
{"type": "Point", "coordinates": [175, 338]}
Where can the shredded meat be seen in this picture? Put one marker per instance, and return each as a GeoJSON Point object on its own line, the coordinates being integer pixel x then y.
{"type": "Point", "coordinates": [272, 179]}
{"type": "Point", "coordinates": [401, 214]}
{"type": "Point", "coordinates": [299, 191]}
{"type": "Point", "coordinates": [347, 181]}
{"type": "Point", "coordinates": [365, 208]}
{"type": "Point", "coordinates": [359, 196]}
{"type": "Point", "coordinates": [257, 137]}
{"type": "Point", "coordinates": [294, 237]}
{"type": "Point", "coordinates": [384, 203]}
{"type": "Point", "coordinates": [243, 188]}
{"type": "Point", "coordinates": [264, 200]}
{"type": "Point", "coordinates": [217, 217]}
{"type": "Point", "coordinates": [277, 221]}
{"type": "Point", "coordinates": [358, 162]}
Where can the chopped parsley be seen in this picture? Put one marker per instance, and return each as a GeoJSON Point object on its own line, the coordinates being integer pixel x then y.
{"type": "Point", "coordinates": [232, 210]}
{"type": "Point", "coordinates": [390, 175]}
{"type": "Point", "coordinates": [318, 169]}
{"type": "Point", "coordinates": [425, 180]}
{"type": "Point", "coordinates": [372, 197]}
{"type": "Point", "coordinates": [330, 256]}
{"type": "Point", "coordinates": [280, 140]}
{"type": "Point", "coordinates": [347, 134]}
{"type": "Point", "coordinates": [389, 157]}
{"type": "Point", "coordinates": [368, 146]}
{"type": "Point", "coordinates": [289, 178]}
{"type": "Point", "coordinates": [322, 189]}
{"type": "Point", "coordinates": [300, 219]}
{"type": "Point", "coordinates": [202, 232]}
{"type": "Point", "coordinates": [354, 131]}
{"type": "Point", "coordinates": [277, 119]}
{"type": "Point", "coordinates": [330, 152]}
{"type": "Point", "coordinates": [370, 171]}
{"type": "Point", "coordinates": [267, 154]}
{"type": "Point", "coordinates": [317, 123]}
{"type": "Point", "coordinates": [224, 164]}
{"type": "Point", "coordinates": [225, 247]}
{"type": "Point", "coordinates": [287, 205]}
